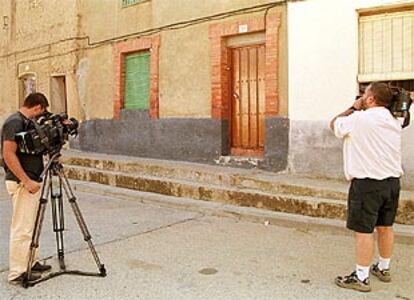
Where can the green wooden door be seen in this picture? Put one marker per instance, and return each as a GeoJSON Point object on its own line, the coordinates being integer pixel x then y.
{"type": "Point", "coordinates": [137, 81]}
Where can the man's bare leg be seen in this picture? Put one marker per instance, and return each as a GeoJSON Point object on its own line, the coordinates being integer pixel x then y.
{"type": "Point", "coordinates": [364, 248]}
{"type": "Point", "coordinates": [385, 241]}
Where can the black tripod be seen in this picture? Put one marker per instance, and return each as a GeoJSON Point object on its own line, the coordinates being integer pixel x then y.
{"type": "Point", "coordinates": [54, 169]}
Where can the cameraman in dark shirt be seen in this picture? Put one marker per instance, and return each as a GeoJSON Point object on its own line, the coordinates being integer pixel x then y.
{"type": "Point", "coordinates": [23, 184]}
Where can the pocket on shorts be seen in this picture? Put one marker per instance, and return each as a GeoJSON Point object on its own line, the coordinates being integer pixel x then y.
{"type": "Point", "coordinates": [12, 187]}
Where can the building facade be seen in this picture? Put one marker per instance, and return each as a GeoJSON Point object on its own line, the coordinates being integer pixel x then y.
{"type": "Point", "coordinates": [204, 80]}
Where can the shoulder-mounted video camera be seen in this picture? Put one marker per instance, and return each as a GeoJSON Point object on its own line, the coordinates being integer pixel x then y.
{"type": "Point", "coordinates": [47, 134]}
{"type": "Point", "coordinates": [400, 105]}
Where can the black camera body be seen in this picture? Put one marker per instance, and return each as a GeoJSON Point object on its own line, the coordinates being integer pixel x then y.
{"type": "Point", "coordinates": [400, 106]}
{"type": "Point", "coordinates": [47, 134]}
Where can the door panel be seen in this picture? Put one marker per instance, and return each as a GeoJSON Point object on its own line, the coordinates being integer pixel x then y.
{"type": "Point", "coordinates": [247, 100]}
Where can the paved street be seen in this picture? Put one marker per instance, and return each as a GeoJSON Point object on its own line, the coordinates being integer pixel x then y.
{"type": "Point", "coordinates": [155, 251]}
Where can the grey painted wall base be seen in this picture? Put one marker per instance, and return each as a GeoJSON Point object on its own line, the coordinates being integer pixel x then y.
{"type": "Point", "coordinates": [197, 140]}
{"type": "Point", "coordinates": [316, 152]}
{"type": "Point", "coordinates": [276, 144]}
{"type": "Point", "coordinates": [306, 148]}
{"type": "Point", "coordinates": [136, 134]}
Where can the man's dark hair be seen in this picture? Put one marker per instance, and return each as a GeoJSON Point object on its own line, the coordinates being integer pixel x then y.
{"type": "Point", "coordinates": [35, 99]}
{"type": "Point", "coordinates": [382, 93]}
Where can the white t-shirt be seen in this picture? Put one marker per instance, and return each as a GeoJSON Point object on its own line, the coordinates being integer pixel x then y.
{"type": "Point", "coordinates": [372, 144]}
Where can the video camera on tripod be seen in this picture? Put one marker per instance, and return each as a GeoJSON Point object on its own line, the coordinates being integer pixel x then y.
{"type": "Point", "coordinates": [47, 134]}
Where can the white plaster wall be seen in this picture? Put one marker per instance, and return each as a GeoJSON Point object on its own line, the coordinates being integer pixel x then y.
{"type": "Point", "coordinates": [323, 67]}
{"type": "Point", "coordinates": [323, 55]}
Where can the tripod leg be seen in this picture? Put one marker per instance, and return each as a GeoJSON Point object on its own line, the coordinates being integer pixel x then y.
{"type": "Point", "coordinates": [37, 228]}
{"type": "Point", "coordinates": [81, 222]}
{"type": "Point", "coordinates": [58, 222]}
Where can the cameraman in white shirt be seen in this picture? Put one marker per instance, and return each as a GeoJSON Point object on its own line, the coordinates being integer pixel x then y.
{"type": "Point", "coordinates": [372, 162]}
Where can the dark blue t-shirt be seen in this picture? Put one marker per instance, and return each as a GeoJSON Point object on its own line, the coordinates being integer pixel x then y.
{"type": "Point", "coordinates": [31, 164]}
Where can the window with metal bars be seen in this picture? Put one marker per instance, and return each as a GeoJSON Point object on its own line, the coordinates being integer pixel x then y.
{"type": "Point", "coordinates": [405, 84]}
{"type": "Point", "coordinates": [386, 47]}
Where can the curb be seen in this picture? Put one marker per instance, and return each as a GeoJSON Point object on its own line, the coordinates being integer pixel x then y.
{"type": "Point", "coordinates": [404, 234]}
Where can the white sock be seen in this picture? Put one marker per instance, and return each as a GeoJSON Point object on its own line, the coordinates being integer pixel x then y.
{"type": "Point", "coordinates": [384, 263]}
{"type": "Point", "coordinates": [362, 272]}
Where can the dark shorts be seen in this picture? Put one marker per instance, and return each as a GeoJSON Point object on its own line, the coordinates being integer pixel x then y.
{"type": "Point", "coordinates": [372, 203]}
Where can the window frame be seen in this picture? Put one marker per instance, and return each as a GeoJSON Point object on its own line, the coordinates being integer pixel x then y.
{"type": "Point", "coordinates": [122, 48]}
{"type": "Point", "coordinates": [389, 13]}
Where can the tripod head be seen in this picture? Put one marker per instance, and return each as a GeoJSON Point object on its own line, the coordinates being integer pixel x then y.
{"type": "Point", "coordinates": [52, 164]}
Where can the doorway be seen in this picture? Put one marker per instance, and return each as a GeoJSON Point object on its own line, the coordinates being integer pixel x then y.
{"type": "Point", "coordinates": [58, 98]}
{"type": "Point", "coordinates": [247, 94]}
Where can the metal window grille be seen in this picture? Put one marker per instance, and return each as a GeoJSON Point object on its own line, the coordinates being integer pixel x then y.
{"type": "Point", "coordinates": [405, 84]}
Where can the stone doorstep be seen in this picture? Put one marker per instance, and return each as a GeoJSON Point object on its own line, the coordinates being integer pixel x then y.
{"type": "Point", "coordinates": [216, 175]}
{"type": "Point", "coordinates": [167, 171]}
{"type": "Point", "coordinates": [213, 175]}
{"type": "Point", "coordinates": [282, 202]}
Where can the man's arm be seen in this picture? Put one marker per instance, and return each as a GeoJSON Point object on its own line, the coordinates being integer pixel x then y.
{"type": "Point", "coordinates": [13, 163]}
{"type": "Point", "coordinates": [346, 113]}
{"type": "Point", "coordinates": [357, 106]}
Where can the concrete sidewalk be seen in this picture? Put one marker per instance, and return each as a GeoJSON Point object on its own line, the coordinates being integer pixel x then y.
{"type": "Point", "coordinates": [156, 247]}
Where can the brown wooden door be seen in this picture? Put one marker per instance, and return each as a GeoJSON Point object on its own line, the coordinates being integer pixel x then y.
{"type": "Point", "coordinates": [247, 100]}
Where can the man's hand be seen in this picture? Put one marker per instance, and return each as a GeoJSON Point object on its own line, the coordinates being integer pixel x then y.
{"type": "Point", "coordinates": [358, 104]}
{"type": "Point", "coordinates": [13, 163]}
{"type": "Point", "coordinates": [32, 186]}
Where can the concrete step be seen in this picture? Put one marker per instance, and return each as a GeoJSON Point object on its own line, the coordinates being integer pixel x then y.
{"type": "Point", "coordinates": [253, 179]}
{"type": "Point", "coordinates": [230, 194]}
{"type": "Point", "coordinates": [219, 175]}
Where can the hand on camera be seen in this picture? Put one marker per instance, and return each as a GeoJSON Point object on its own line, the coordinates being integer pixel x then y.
{"type": "Point", "coordinates": [32, 186]}
{"type": "Point", "coordinates": [358, 104]}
